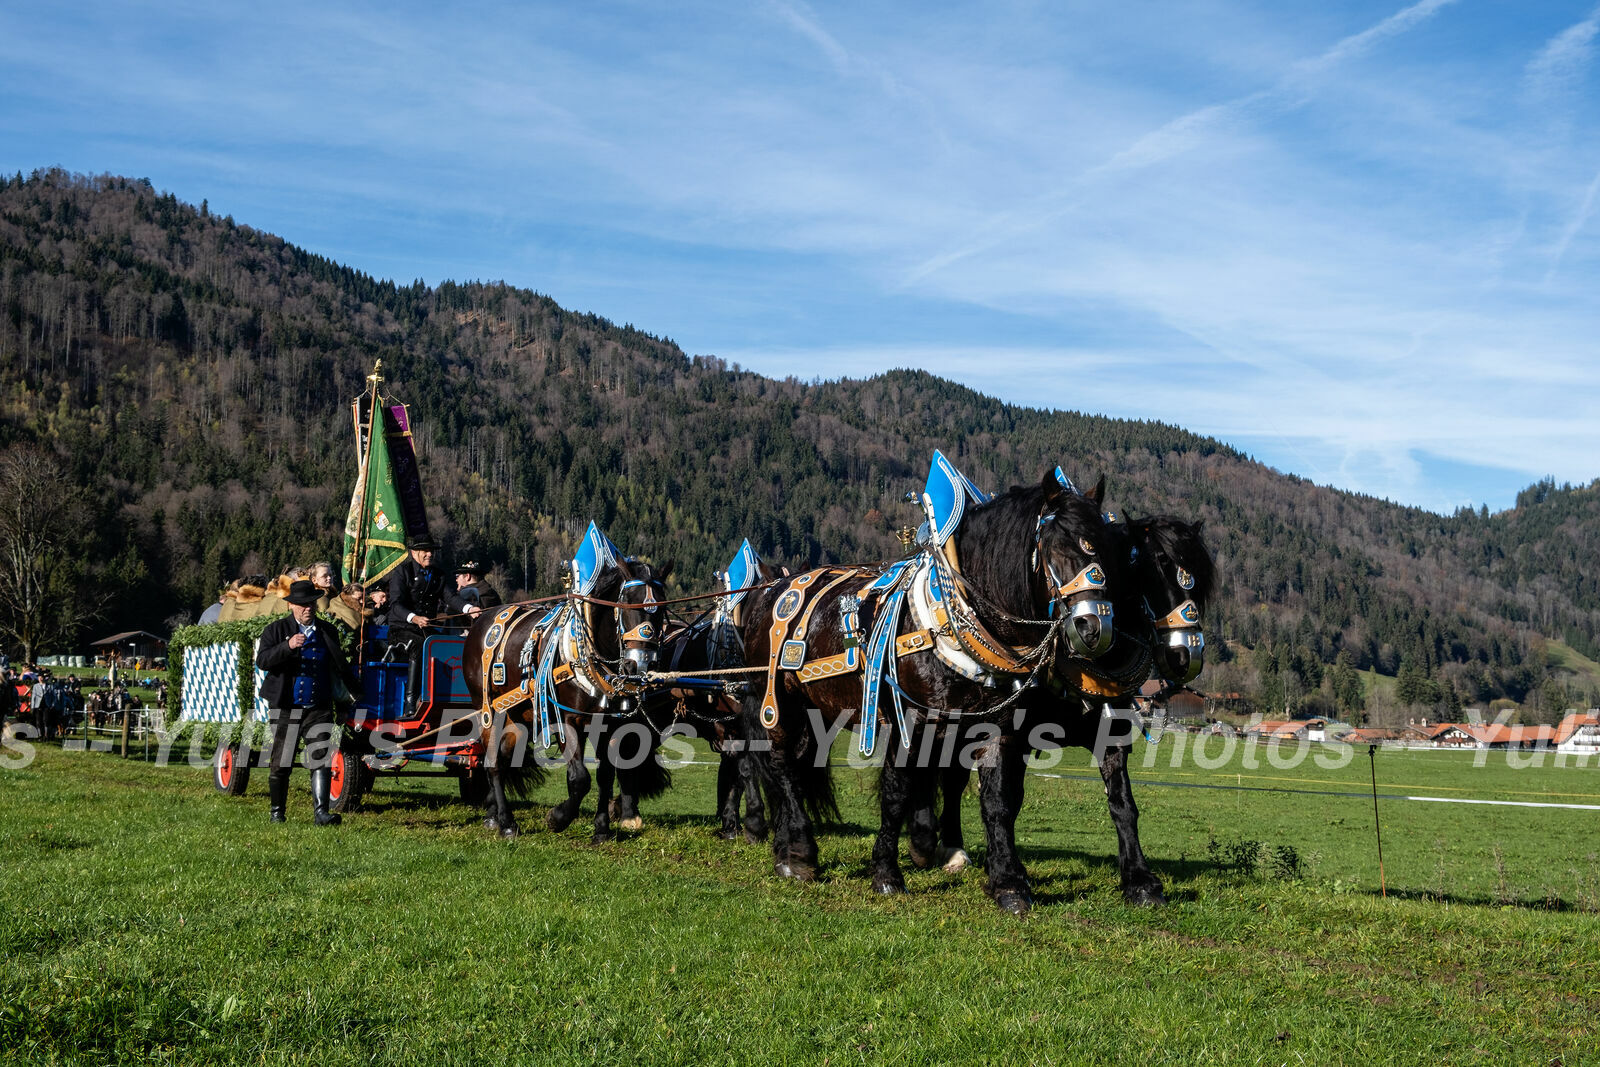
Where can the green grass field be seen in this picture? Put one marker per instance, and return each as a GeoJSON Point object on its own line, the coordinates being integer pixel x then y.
{"type": "Point", "coordinates": [146, 918]}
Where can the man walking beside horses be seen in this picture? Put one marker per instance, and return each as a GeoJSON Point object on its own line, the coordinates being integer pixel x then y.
{"type": "Point", "coordinates": [301, 656]}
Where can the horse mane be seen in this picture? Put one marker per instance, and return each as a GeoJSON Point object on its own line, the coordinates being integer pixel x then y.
{"type": "Point", "coordinates": [1004, 526]}
{"type": "Point", "coordinates": [1181, 542]}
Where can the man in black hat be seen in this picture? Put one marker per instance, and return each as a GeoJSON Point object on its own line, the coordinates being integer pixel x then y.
{"type": "Point", "coordinates": [416, 598]}
{"type": "Point", "coordinates": [472, 594]}
{"type": "Point", "coordinates": [301, 656]}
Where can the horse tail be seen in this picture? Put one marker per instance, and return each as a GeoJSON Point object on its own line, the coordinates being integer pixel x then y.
{"type": "Point", "coordinates": [640, 771]}
{"type": "Point", "coordinates": [650, 778]}
{"type": "Point", "coordinates": [519, 768]}
{"type": "Point", "coordinates": [814, 778]}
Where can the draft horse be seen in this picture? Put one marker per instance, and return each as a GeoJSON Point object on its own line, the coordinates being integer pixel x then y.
{"type": "Point", "coordinates": [1017, 588]}
{"type": "Point", "coordinates": [571, 674]}
{"type": "Point", "coordinates": [714, 642]}
{"type": "Point", "coordinates": [1175, 579]}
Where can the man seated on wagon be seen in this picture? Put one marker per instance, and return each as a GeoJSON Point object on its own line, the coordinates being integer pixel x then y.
{"type": "Point", "coordinates": [416, 599]}
{"type": "Point", "coordinates": [473, 594]}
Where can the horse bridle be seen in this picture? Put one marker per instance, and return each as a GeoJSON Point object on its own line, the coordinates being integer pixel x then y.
{"type": "Point", "coordinates": [1089, 621]}
{"type": "Point", "coordinates": [638, 645]}
{"type": "Point", "coordinates": [1180, 642]}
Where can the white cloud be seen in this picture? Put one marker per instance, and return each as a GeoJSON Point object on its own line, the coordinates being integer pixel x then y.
{"type": "Point", "coordinates": [1560, 64]}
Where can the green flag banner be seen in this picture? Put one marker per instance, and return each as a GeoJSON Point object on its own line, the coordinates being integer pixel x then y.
{"type": "Point", "coordinates": [374, 532]}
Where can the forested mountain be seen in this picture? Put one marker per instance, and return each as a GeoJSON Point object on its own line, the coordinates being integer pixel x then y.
{"type": "Point", "coordinates": [192, 375]}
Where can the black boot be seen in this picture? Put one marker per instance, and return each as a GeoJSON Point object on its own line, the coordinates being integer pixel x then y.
{"type": "Point", "coordinates": [278, 792]}
{"type": "Point", "coordinates": [413, 683]}
{"type": "Point", "coordinates": [321, 786]}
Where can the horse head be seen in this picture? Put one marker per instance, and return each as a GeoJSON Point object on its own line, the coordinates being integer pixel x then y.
{"type": "Point", "coordinates": [1177, 576]}
{"type": "Point", "coordinates": [1077, 555]}
{"type": "Point", "coordinates": [641, 617]}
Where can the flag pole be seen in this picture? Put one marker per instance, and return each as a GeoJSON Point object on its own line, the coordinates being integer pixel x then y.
{"type": "Point", "coordinates": [373, 381]}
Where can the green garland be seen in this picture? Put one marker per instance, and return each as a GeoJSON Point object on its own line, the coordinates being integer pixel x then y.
{"type": "Point", "coordinates": [244, 633]}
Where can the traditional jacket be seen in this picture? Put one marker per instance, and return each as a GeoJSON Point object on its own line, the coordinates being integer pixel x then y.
{"type": "Point", "coordinates": [413, 591]}
{"type": "Point", "coordinates": [284, 665]}
{"type": "Point", "coordinates": [345, 612]}
{"type": "Point", "coordinates": [480, 593]}
{"type": "Point", "coordinates": [246, 605]}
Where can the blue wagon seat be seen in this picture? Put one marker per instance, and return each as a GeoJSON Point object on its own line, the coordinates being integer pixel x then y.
{"type": "Point", "coordinates": [442, 682]}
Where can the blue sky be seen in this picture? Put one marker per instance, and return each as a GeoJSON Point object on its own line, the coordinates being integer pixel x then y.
{"type": "Point", "coordinates": [1355, 240]}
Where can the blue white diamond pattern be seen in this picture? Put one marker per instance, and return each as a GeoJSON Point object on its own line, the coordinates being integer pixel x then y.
{"type": "Point", "coordinates": [211, 684]}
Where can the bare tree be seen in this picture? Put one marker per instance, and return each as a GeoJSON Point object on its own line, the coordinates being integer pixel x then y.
{"type": "Point", "coordinates": [43, 518]}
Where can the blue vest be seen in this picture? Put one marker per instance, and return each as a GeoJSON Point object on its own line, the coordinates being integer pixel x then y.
{"type": "Point", "coordinates": [313, 681]}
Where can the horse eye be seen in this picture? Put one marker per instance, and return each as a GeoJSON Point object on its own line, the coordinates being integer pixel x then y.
{"type": "Point", "coordinates": [1133, 555]}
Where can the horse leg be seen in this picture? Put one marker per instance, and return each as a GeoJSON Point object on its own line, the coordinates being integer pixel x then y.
{"type": "Point", "coordinates": [1000, 799]}
{"type": "Point", "coordinates": [728, 789]}
{"type": "Point", "coordinates": [794, 848]}
{"type": "Point", "coordinates": [953, 855]}
{"type": "Point", "coordinates": [902, 791]}
{"type": "Point", "coordinates": [561, 816]}
{"type": "Point", "coordinates": [1139, 883]}
{"type": "Point", "coordinates": [499, 816]}
{"type": "Point", "coordinates": [922, 826]}
{"type": "Point", "coordinates": [755, 814]}
{"type": "Point", "coordinates": [606, 777]}
{"type": "Point", "coordinates": [628, 817]}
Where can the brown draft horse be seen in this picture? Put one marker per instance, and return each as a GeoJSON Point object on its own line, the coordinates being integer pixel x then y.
{"type": "Point", "coordinates": [1014, 552]}
{"type": "Point", "coordinates": [571, 675]}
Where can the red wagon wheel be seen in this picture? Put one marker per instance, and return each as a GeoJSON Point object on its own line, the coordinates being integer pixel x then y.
{"type": "Point", "coordinates": [350, 779]}
{"type": "Point", "coordinates": [230, 770]}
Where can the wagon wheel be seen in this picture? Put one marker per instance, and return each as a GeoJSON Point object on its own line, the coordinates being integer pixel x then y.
{"type": "Point", "coordinates": [474, 788]}
{"type": "Point", "coordinates": [351, 778]}
{"type": "Point", "coordinates": [230, 770]}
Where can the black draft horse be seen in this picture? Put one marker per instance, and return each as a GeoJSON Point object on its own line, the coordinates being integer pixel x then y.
{"type": "Point", "coordinates": [1013, 553]}
{"type": "Point", "coordinates": [1176, 577]}
{"type": "Point", "coordinates": [716, 643]}
{"type": "Point", "coordinates": [610, 638]}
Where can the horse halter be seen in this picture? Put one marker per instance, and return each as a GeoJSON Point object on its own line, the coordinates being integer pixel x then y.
{"type": "Point", "coordinates": [638, 646]}
{"type": "Point", "coordinates": [1089, 627]}
{"type": "Point", "coordinates": [1180, 644]}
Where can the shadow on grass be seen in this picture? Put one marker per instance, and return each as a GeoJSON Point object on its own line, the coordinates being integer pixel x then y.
{"type": "Point", "coordinates": [1478, 900]}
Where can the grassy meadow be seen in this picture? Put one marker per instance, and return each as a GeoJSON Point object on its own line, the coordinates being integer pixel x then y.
{"type": "Point", "coordinates": [146, 918]}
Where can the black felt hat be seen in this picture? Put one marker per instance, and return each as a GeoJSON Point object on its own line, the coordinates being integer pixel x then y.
{"type": "Point", "coordinates": [303, 593]}
{"type": "Point", "coordinates": [471, 566]}
{"type": "Point", "coordinates": [421, 543]}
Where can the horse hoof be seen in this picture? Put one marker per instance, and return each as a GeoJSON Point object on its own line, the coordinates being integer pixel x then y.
{"type": "Point", "coordinates": [727, 833]}
{"type": "Point", "coordinates": [632, 824]}
{"type": "Point", "coordinates": [1144, 894]}
{"type": "Point", "coordinates": [888, 887]}
{"type": "Point", "coordinates": [1014, 901]}
{"type": "Point", "coordinates": [602, 839]}
{"type": "Point", "coordinates": [956, 860]}
{"type": "Point", "coordinates": [556, 821]}
{"type": "Point", "coordinates": [755, 837]}
{"type": "Point", "coordinates": [799, 872]}
{"type": "Point", "coordinates": [508, 832]}
{"type": "Point", "coordinates": [491, 823]}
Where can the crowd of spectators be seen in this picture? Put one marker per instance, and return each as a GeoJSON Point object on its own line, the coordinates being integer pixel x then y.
{"type": "Point", "coordinates": [57, 706]}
